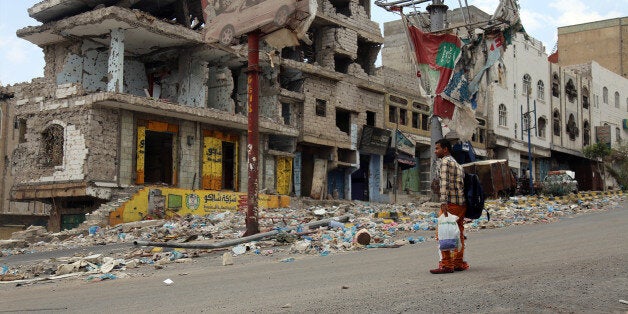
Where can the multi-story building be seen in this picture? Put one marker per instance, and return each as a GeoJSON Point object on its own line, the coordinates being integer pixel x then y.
{"type": "Point", "coordinates": [580, 43]}
{"type": "Point", "coordinates": [133, 96]}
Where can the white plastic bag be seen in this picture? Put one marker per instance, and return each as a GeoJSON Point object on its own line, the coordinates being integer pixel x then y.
{"type": "Point", "coordinates": [448, 233]}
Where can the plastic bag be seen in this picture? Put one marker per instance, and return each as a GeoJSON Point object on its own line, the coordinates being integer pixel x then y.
{"type": "Point", "coordinates": [448, 233]}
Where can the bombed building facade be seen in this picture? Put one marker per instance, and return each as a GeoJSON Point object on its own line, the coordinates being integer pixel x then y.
{"type": "Point", "coordinates": [133, 96]}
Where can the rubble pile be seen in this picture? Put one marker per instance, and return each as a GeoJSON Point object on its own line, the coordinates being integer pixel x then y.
{"type": "Point", "coordinates": [370, 225]}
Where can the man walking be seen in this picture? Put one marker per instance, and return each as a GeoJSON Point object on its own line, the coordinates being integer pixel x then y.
{"type": "Point", "coordinates": [451, 195]}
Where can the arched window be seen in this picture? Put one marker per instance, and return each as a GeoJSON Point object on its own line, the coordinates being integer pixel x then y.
{"type": "Point", "coordinates": [556, 122]}
{"type": "Point", "coordinates": [540, 90]}
{"type": "Point", "coordinates": [585, 98]}
{"type": "Point", "coordinates": [618, 134]}
{"type": "Point", "coordinates": [503, 120]}
{"type": "Point", "coordinates": [616, 99]}
{"type": "Point", "coordinates": [527, 84]}
{"type": "Point", "coordinates": [605, 95]}
{"type": "Point", "coordinates": [541, 125]}
{"type": "Point", "coordinates": [526, 122]}
{"type": "Point", "coordinates": [52, 146]}
{"type": "Point", "coordinates": [570, 90]}
{"type": "Point", "coordinates": [571, 127]}
{"type": "Point", "coordinates": [586, 133]}
{"type": "Point", "coordinates": [555, 85]}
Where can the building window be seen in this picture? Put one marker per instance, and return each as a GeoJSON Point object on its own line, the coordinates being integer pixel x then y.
{"type": "Point", "coordinates": [616, 99]}
{"type": "Point", "coordinates": [585, 98]}
{"type": "Point", "coordinates": [571, 127]}
{"type": "Point", "coordinates": [556, 122]}
{"type": "Point", "coordinates": [403, 116]}
{"type": "Point", "coordinates": [540, 90]}
{"type": "Point", "coordinates": [343, 120]}
{"type": "Point", "coordinates": [605, 95]}
{"type": "Point", "coordinates": [542, 124]}
{"type": "Point", "coordinates": [526, 122]}
{"type": "Point", "coordinates": [285, 113]}
{"type": "Point", "coordinates": [527, 84]}
{"type": "Point", "coordinates": [415, 120]}
{"type": "Point", "coordinates": [555, 85]}
{"type": "Point", "coordinates": [392, 114]}
{"type": "Point", "coordinates": [514, 90]}
{"type": "Point", "coordinates": [52, 146]}
{"type": "Point", "coordinates": [370, 118]}
{"type": "Point", "coordinates": [570, 90]}
{"type": "Point", "coordinates": [503, 120]}
{"type": "Point", "coordinates": [321, 108]}
{"type": "Point", "coordinates": [586, 133]}
{"type": "Point", "coordinates": [618, 134]}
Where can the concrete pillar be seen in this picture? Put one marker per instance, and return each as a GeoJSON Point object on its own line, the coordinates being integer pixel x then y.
{"type": "Point", "coordinates": [115, 66]}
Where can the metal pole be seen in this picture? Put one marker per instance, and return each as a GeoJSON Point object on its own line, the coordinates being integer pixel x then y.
{"type": "Point", "coordinates": [437, 12]}
{"type": "Point", "coordinates": [252, 224]}
{"type": "Point", "coordinates": [529, 143]}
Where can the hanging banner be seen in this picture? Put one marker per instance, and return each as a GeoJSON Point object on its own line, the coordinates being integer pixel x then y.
{"type": "Point", "coordinates": [439, 52]}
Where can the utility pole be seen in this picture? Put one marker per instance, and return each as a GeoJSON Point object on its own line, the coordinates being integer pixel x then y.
{"type": "Point", "coordinates": [528, 127]}
{"type": "Point", "coordinates": [437, 11]}
{"type": "Point", "coordinates": [252, 223]}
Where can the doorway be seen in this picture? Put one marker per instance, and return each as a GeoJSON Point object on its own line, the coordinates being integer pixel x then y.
{"type": "Point", "coordinates": [228, 162]}
{"type": "Point", "coordinates": [158, 157]}
{"type": "Point", "coordinates": [360, 180]}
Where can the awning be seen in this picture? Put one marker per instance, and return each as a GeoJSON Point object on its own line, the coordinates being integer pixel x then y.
{"type": "Point", "coordinates": [404, 161]}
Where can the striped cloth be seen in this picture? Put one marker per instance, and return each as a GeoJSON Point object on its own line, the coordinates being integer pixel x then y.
{"type": "Point", "coordinates": [451, 181]}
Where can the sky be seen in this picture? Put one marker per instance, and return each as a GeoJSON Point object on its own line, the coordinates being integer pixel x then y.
{"type": "Point", "coordinates": [21, 61]}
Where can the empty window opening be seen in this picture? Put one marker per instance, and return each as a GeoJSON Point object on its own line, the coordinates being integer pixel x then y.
{"type": "Point", "coordinates": [281, 143]}
{"type": "Point", "coordinates": [309, 52]}
{"type": "Point", "coordinates": [555, 85]}
{"type": "Point", "coordinates": [52, 143]}
{"type": "Point", "coordinates": [370, 118]}
{"type": "Point", "coordinates": [527, 84]}
{"type": "Point", "coordinates": [341, 63]}
{"type": "Point", "coordinates": [286, 113]}
{"type": "Point", "coordinates": [572, 128]}
{"type": "Point", "coordinates": [291, 79]}
{"type": "Point", "coordinates": [367, 7]}
{"type": "Point", "coordinates": [540, 90]}
{"type": "Point", "coordinates": [425, 124]}
{"type": "Point", "coordinates": [403, 116]}
{"type": "Point", "coordinates": [585, 98]}
{"type": "Point", "coordinates": [586, 133]}
{"type": "Point", "coordinates": [367, 54]}
{"type": "Point", "coordinates": [542, 124]}
{"type": "Point", "coordinates": [158, 157]}
{"type": "Point", "coordinates": [342, 7]}
{"type": "Point", "coordinates": [415, 120]}
{"type": "Point", "coordinates": [570, 90]}
{"type": "Point", "coordinates": [228, 165]}
{"type": "Point", "coordinates": [605, 95]}
{"type": "Point", "coordinates": [321, 108]}
{"type": "Point", "coordinates": [556, 122]}
{"type": "Point", "coordinates": [392, 114]}
{"type": "Point", "coordinates": [616, 99]}
{"type": "Point", "coordinates": [343, 120]}
{"type": "Point", "coordinates": [347, 155]}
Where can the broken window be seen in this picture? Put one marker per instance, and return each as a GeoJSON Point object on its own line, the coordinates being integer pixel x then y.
{"type": "Point", "coordinates": [572, 128]}
{"type": "Point", "coordinates": [342, 7]}
{"type": "Point", "coordinates": [556, 122]}
{"type": "Point", "coordinates": [555, 85]}
{"type": "Point", "coordinates": [343, 120]}
{"type": "Point", "coordinates": [291, 79]}
{"type": "Point", "coordinates": [570, 90]}
{"type": "Point", "coordinates": [341, 63]}
{"type": "Point", "coordinates": [415, 120]}
{"type": "Point", "coordinates": [392, 114]}
{"type": "Point", "coordinates": [286, 113]}
{"type": "Point", "coordinates": [403, 116]}
{"type": "Point", "coordinates": [542, 123]}
{"type": "Point", "coordinates": [52, 144]}
{"type": "Point", "coordinates": [370, 118]}
{"type": "Point", "coordinates": [585, 98]}
{"type": "Point", "coordinates": [321, 108]}
{"type": "Point", "coordinates": [540, 90]}
{"type": "Point", "coordinates": [367, 54]}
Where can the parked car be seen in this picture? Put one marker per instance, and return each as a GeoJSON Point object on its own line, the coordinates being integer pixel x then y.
{"type": "Point", "coordinates": [227, 19]}
{"type": "Point", "coordinates": [560, 182]}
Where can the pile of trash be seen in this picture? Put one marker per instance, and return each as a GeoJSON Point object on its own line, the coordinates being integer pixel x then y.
{"type": "Point", "coordinates": [347, 226]}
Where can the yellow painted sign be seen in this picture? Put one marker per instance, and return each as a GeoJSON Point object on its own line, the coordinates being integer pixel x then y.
{"type": "Point", "coordinates": [141, 149]}
{"type": "Point", "coordinates": [212, 163]}
{"type": "Point", "coordinates": [284, 175]}
{"type": "Point", "coordinates": [181, 202]}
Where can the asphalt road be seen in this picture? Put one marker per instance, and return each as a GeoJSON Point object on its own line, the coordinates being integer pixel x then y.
{"type": "Point", "coordinates": [577, 265]}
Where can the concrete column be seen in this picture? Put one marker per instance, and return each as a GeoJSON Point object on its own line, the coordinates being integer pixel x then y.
{"type": "Point", "coordinates": [115, 66]}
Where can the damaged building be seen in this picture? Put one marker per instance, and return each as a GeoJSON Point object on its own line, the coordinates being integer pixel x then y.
{"type": "Point", "coordinates": [133, 96]}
